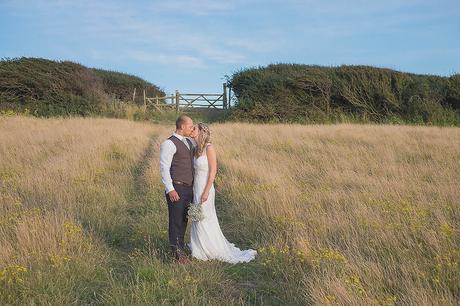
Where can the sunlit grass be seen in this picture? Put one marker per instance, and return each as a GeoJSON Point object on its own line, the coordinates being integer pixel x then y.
{"type": "Point", "coordinates": [347, 213]}
{"type": "Point", "coordinates": [340, 214]}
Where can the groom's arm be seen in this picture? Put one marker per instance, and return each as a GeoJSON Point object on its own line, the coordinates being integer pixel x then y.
{"type": "Point", "coordinates": [167, 151]}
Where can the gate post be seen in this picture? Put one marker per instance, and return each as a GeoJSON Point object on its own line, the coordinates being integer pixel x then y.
{"type": "Point", "coordinates": [145, 102]}
{"type": "Point", "coordinates": [224, 97]}
{"type": "Point", "coordinates": [177, 101]}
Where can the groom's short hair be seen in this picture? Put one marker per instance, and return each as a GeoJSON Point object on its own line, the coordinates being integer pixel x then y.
{"type": "Point", "coordinates": [181, 120]}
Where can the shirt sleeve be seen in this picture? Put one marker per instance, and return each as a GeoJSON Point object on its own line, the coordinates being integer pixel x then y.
{"type": "Point", "coordinates": [167, 151]}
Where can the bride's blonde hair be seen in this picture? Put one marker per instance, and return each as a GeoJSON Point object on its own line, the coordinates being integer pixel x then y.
{"type": "Point", "coordinates": [204, 137]}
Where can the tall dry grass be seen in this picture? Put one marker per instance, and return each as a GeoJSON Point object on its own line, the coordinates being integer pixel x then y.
{"type": "Point", "coordinates": [348, 214]}
{"type": "Point", "coordinates": [340, 214]}
{"type": "Point", "coordinates": [64, 190]}
{"type": "Point", "coordinates": [83, 218]}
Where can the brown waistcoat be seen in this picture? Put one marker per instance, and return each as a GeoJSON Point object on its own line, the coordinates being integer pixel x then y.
{"type": "Point", "coordinates": [182, 162]}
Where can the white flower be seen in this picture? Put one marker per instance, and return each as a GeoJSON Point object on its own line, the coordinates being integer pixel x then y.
{"type": "Point", "coordinates": [195, 213]}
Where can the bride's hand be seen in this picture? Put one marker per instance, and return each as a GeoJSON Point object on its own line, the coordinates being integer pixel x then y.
{"type": "Point", "coordinates": [204, 196]}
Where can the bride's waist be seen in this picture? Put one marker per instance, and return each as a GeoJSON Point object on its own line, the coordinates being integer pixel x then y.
{"type": "Point", "coordinates": [199, 186]}
{"type": "Point", "coordinates": [201, 175]}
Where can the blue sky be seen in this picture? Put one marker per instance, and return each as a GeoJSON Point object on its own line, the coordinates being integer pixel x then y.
{"type": "Point", "coordinates": [192, 45]}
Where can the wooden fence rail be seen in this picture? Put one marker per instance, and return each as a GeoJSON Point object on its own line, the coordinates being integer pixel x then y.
{"type": "Point", "coordinates": [185, 101]}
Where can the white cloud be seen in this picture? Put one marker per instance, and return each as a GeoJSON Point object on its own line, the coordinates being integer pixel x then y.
{"type": "Point", "coordinates": [164, 59]}
{"type": "Point", "coordinates": [156, 38]}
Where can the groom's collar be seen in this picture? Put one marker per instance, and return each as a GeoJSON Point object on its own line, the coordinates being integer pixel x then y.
{"type": "Point", "coordinates": [181, 138]}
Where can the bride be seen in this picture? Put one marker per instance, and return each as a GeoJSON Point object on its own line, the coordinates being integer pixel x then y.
{"type": "Point", "coordinates": [206, 238]}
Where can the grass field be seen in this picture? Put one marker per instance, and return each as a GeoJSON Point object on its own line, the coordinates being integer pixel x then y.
{"type": "Point", "coordinates": [340, 214]}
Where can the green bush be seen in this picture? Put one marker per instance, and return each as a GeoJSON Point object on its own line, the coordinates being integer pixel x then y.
{"type": "Point", "coordinates": [453, 92]}
{"type": "Point", "coordinates": [304, 93]}
{"type": "Point", "coordinates": [121, 86]}
{"type": "Point", "coordinates": [51, 88]}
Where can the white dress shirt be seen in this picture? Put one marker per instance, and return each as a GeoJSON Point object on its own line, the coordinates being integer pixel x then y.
{"type": "Point", "coordinates": [167, 151]}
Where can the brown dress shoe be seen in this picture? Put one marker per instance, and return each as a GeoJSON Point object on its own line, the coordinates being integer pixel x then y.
{"type": "Point", "coordinates": [183, 260]}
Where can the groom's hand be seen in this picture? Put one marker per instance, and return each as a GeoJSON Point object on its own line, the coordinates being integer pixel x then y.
{"type": "Point", "coordinates": [173, 196]}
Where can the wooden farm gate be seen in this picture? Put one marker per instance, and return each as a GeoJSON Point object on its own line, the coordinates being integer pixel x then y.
{"type": "Point", "coordinates": [182, 102]}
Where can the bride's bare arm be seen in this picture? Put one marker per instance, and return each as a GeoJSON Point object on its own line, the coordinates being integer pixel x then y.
{"type": "Point", "coordinates": [212, 163]}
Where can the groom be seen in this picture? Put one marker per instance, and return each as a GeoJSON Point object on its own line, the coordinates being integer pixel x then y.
{"type": "Point", "coordinates": [176, 167]}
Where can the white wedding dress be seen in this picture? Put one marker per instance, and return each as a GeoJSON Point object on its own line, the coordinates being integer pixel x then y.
{"type": "Point", "coordinates": [206, 238]}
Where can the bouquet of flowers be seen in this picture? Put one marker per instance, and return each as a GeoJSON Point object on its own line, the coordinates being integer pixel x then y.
{"type": "Point", "coordinates": [195, 213]}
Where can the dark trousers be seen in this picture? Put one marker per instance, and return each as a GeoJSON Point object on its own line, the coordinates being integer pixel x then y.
{"type": "Point", "coordinates": [178, 217]}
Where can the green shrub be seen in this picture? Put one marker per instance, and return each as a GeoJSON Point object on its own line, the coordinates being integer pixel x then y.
{"type": "Point", "coordinates": [52, 88]}
{"type": "Point", "coordinates": [304, 93]}
{"type": "Point", "coordinates": [121, 86]}
{"type": "Point", "coordinates": [453, 92]}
